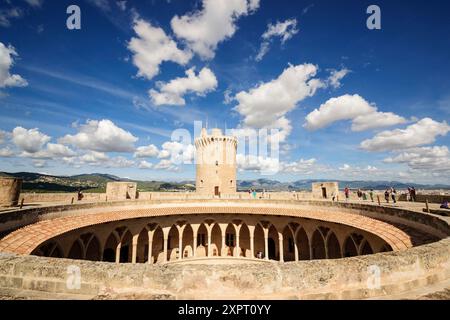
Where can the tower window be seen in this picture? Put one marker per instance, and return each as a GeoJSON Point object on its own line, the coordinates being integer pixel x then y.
{"type": "Point", "coordinates": [217, 163]}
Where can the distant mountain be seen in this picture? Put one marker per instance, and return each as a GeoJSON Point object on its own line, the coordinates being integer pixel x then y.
{"type": "Point", "coordinates": [96, 182]}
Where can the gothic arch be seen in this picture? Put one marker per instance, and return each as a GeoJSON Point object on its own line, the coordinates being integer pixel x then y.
{"type": "Point", "coordinates": [76, 250]}
{"type": "Point", "coordinates": [333, 247]}
{"type": "Point", "coordinates": [318, 245]}
{"type": "Point", "coordinates": [302, 244]}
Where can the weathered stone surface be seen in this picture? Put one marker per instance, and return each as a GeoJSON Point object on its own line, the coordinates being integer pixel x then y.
{"type": "Point", "coordinates": [335, 279]}
{"type": "Point", "coordinates": [10, 191]}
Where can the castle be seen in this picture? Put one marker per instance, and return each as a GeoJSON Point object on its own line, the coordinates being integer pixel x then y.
{"type": "Point", "coordinates": [217, 242]}
{"type": "Point", "coordinates": [216, 163]}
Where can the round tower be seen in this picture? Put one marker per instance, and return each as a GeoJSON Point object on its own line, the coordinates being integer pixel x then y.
{"type": "Point", "coordinates": [216, 163]}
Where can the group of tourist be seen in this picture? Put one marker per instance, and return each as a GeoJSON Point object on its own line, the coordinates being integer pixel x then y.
{"type": "Point", "coordinates": [362, 195]}
{"type": "Point", "coordinates": [390, 194]}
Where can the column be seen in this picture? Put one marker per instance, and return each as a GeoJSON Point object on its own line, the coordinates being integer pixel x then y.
{"type": "Point", "coordinates": [251, 230]}
{"type": "Point", "coordinates": [223, 230]}
{"type": "Point", "coordinates": [280, 244]}
{"type": "Point", "coordinates": [180, 242]}
{"type": "Point", "coordinates": [195, 228]}
{"type": "Point", "coordinates": [266, 247]}
{"type": "Point", "coordinates": [266, 243]}
{"type": "Point", "coordinates": [166, 231]}
{"type": "Point", "coordinates": [165, 248]}
{"type": "Point", "coordinates": [209, 229]}
{"type": "Point", "coordinates": [134, 249]}
{"type": "Point", "coordinates": [150, 247]}
{"type": "Point", "coordinates": [119, 246]}
{"type": "Point", "coordinates": [295, 248]}
{"type": "Point", "coordinates": [223, 245]}
{"type": "Point", "coordinates": [237, 250]}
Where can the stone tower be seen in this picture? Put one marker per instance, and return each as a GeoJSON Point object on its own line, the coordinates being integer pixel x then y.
{"type": "Point", "coordinates": [216, 163]}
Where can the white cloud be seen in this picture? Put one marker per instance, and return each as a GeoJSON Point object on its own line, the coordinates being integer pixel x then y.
{"type": "Point", "coordinates": [30, 140]}
{"type": "Point", "coordinates": [151, 47]}
{"type": "Point", "coordinates": [172, 93]}
{"type": "Point", "coordinates": [336, 76]}
{"type": "Point", "coordinates": [421, 133]}
{"type": "Point", "coordinates": [350, 107]}
{"type": "Point", "coordinates": [301, 166]}
{"type": "Point", "coordinates": [264, 165]}
{"type": "Point", "coordinates": [284, 30]}
{"type": "Point", "coordinates": [145, 165]}
{"type": "Point", "coordinates": [376, 120]}
{"type": "Point", "coordinates": [179, 153]}
{"type": "Point", "coordinates": [52, 150]}
{"type": "Point", "coordinates": [94, 157]}
{"type": "Point", "coordinates": [120, 162]}
{"type": "Point", "coordinates": [203, 30]}
{"type": "Point", "coordinates": [166, 165]}
{"type": "Point", "coordinates": [6, 152]}
{"type": "Point", "coordinates": [102, 136]}
{"type": "Point", "coordinates": [150, 151]}
{"type": "Point", "coordinates": [6, 62]}
{"type": "Point", "coordinates": [266, 105]}
{"type": "Point", "coordinates": [436, 158]}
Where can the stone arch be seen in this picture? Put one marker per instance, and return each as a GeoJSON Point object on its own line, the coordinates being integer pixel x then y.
{"type": "Point", "coordinates": [188, 241]}
{"type": "Point", "coordinates": [142, 246]}
{"type": "Point", "coordinates": [202, 241]}
{"type": "Point", "coordinates": [318, 245]}
{"type": "Point", "coordinates": [302, 244]}
{"type": "Point", "coordinates": [109, 251]}
{"type": "Point", "coordinates": [259, 241]}
{"type": "Point", "coordinates": [158, 245]}
{"type": "Point", "coordinates": [173, 249]}
{"type": "Point", "coordinates": [76, 250]}
{"type": "Point", "coordinates": [288, 244]}
{"type": "Point", "coordinates": [230, 240]}
{"type": "Point", "coordinates": [273, 243]}
{"type": "Point", "coordinates": [385, 248]}
{"type": "Point", "coordinates": [350, 248]}
{"type": "Point", "coordinates": [126, 247]}
{"type": "Point", "coordinates": [216, 241]}
{"type": "Point", "coordinates": [333, 247]}
{"type": "Point", "coordinates": [244, 241]}
{"type": "Point", "coordinates": [93, 251]}
{"type": "Point", "coordinates": [49, 249]}
{"type": "Point", "coordinates": [366, 248]}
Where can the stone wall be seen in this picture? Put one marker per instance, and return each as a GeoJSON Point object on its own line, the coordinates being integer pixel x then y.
{"type": "Point", "coordinates": [324, 190]}
{"type": "Point", "coordinates": [432, 198]}
{"type": "Point", "coordinates": [121, 191]}
{"type": "Point", "coordinates": [350, 278]}
{"type": "Point", "coordinates": [10, 191]}
{"type": "Point", "coordinates": [61, 197]}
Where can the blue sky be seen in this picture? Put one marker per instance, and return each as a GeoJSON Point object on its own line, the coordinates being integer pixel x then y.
{"type": "Point", "coordinates": [107, 98]}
